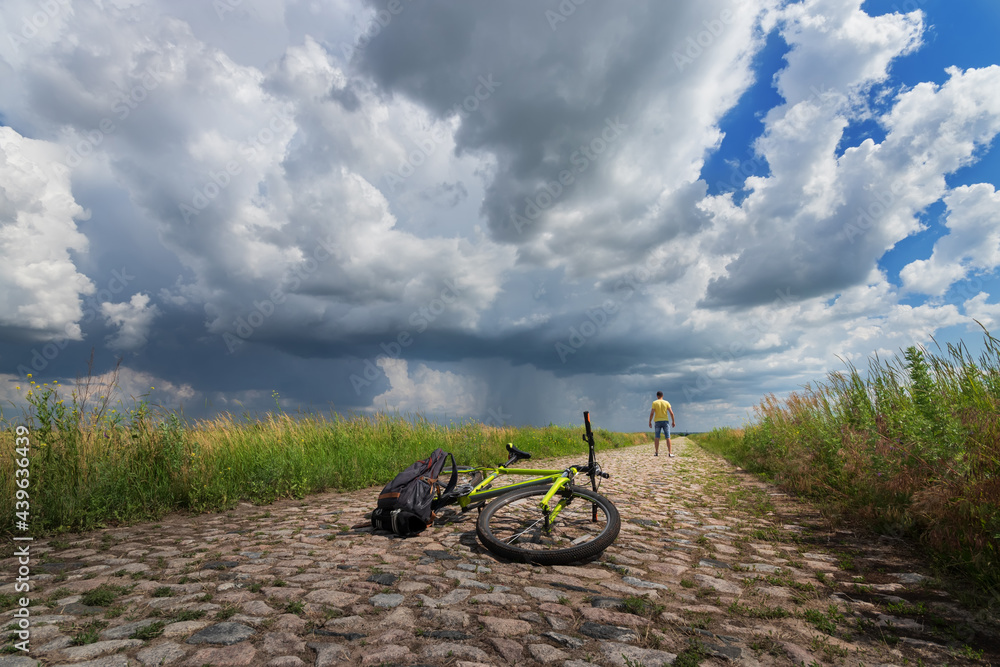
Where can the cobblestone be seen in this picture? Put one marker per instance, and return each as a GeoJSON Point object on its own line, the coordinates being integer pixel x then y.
{"type": "Point", "coordinates": [708, 556]}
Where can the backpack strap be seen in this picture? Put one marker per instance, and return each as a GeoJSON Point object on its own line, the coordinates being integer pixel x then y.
{"type": "Point", "coordinates": [443, 496]}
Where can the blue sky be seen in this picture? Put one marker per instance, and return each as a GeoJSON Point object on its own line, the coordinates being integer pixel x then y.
{"type": "Point", "coordinates": [510, 212]}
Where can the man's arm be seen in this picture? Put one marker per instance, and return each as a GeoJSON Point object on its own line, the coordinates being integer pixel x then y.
{"type": "Point", "coordinates": [671, 411]}
{"type": "Point", "coordinates": [651, 413]}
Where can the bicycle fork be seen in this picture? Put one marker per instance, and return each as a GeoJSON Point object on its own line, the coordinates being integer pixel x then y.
{"type": "Point", "coordinates": [549, 511]}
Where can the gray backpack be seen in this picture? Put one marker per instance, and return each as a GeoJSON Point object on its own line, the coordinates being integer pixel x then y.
{"type": "Point", "coordinates": [407, 503]}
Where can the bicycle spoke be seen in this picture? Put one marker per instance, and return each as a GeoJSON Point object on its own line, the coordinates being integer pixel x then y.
{"type": "Point", "coordinates": [523, 523]}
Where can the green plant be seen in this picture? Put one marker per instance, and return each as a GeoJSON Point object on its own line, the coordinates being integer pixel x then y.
{"type": "Point", "coordinates": [761, 611]}
{"type": "Point", "coordinates": [691, 656]}
{"type": "Point", "coordinates": [830, 650]}
{"type": "Point", "coordinates": [907, 447]}
{"type": "Point", "coordinates": [641, 606]}
{"type": "Point", "coordinates": [147, 632]}
{"type": "Point", "coordinates": [101, 460]}
{"type": "Point", "coordinates": [766, 644]}
{"type": "Point", "coordinates": [89, 633]}
{"type": "Point", "coordinates": [227, 611]}
{"type": "Point", "coordinates": [163, 592]}
{"type": "Point", "coordinates": [970, 653]}
{"type": "Point", "coordinates": [824, 622]}
{"type": "Point", "coordinates": [114, 611]}
{"type": "Point", "coordinates": [103, 595]}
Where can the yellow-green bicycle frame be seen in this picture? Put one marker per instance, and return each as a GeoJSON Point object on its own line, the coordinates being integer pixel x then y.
{"type": "Point", "coordinates": [481, 493]}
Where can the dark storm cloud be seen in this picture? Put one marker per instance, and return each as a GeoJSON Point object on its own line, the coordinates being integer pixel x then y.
{"type": "Point", "coordinates": [564, 88]}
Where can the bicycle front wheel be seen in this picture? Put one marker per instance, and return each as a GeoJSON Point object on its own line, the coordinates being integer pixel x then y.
{"type": "Point", "coordinates": [514, 526]}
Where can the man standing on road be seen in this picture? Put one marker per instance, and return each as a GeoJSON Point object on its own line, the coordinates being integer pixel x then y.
{"type": "Point", "coordinates": [660, 411]}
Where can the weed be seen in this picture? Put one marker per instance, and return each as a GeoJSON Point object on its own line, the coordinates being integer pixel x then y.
{"type": "Point", "coordinates": [830, 650]}
{"type": "Point", "coordinates": [103, 595]}
{"type": "Point", "coordinates": [970, 653]}
{"type": "Point", "coordinates": [766, 644]}
{"type": "Point", "coordinates": [641, 606]}
{"type": "Point", "coordinates": [114, 611]}
{"type": "Point", "coordinates": [824, 622]}
{"type": "Point", "coordinates": [136, 463]}
{"type": "Point", "coordinates": [911, 445]}
{"type": "Point", "coordinates": [227, 611]}
{"type": "Point", "coordinates": [692, 656]}
{"type": "Point", "coordinates": [147, 632]}
{"type": "Point", "coordinates": [761, 611]}
{"type": "Point", "coordinates": [89, 633]}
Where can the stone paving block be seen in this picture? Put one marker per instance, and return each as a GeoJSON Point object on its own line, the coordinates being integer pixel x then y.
{"type": "Point", "coordinates": [331, 597]}
{"type": "Point", "coordinates": [328, 654]}
{"type": "Point", "coordinates": [505, 627]}
{"type": "Point", "coordinates": [282, 643]}
{"type": "Point", "coordinates": [546, 654]}
{"type": "Point", "coordinates": [446, 617]}
{"type": "Point", "coordinates": [161, 654]}
{"type": "Point", "coordinates": [17, 661]}
{"type": "Point", "coordinates": [106, 661]}
{"type": "Point", "coordinates": [287, 661]}
{"type": "Point", "coordinates": [451, 650]}
{"type": "Point", "coordinates": [87, 651]}
{"type": "Point", "coordinates": [385, 655]}
{"type": "Point", "coordinates": [222, 633]}
{"type": "Point", "coordinates": [235, 655]}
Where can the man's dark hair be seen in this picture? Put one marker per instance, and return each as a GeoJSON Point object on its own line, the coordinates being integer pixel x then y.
{"type": "Point", "coordinates": [659, 394]}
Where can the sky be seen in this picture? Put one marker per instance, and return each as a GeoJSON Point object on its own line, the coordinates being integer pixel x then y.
{"type": "Point", "coordinates": [507, 212]}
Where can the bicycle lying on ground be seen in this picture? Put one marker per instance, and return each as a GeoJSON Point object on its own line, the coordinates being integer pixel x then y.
{"type": "Point", "coordinates": [546, 520]}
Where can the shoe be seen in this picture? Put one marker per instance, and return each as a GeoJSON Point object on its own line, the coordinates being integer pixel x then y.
{"type": "Point", "coordinates": [671, 456]}
{"type": "Point", "coordinates": [656, 453]}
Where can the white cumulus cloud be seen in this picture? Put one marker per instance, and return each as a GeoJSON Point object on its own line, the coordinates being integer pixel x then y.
{"type": "Point", "coordinates": [429, 391]}
{"type": "Point", "coordinates": [40, 287]}
{"type": "Point", "coordinates": [133, 319]}
{"type": "Point", "coordinates": [973, 242]}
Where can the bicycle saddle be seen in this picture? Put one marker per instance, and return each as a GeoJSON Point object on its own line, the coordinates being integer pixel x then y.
{"type": "Point", "coordinates": [519, 453]}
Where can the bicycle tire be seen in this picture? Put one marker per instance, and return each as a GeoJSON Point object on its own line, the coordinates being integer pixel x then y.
{"type": "Point", "coordinates": [509, 517]}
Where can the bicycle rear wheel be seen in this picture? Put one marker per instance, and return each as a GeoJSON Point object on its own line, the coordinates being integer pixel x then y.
{"type": "Point", "coordinates": [514, 527]}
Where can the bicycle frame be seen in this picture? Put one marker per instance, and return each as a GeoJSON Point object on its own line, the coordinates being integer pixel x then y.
{"type": "Point", "coordinates": [557, 478]}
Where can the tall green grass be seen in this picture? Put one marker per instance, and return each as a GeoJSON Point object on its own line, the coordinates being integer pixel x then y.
{"type": "Point", "coordinates": [92, 466]}
{"type": "Point", "coordinates": [912, 448]}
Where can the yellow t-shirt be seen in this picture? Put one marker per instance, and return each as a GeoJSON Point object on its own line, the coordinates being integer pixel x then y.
{"type": "Point", "coordinates": [661, 410]}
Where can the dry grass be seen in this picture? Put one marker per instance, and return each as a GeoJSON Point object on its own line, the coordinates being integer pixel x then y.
{"type": "Point", "coordinates": [913, 448]}
{"type": "Point", "coordinates": [98, 465]}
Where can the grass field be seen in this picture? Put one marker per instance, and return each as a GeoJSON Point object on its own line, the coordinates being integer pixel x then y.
{"type": "Point", "coordinates": [911, 448]}
{"type": "Point", "coordinates": [98, 465]}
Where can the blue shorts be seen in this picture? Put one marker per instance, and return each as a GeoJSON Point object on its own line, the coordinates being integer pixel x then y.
{"type": "Point", "coordinates": [664, 426]}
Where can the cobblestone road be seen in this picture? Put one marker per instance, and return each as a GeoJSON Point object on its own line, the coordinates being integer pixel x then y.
{"type": "Point", "coordinates": [711, 567]}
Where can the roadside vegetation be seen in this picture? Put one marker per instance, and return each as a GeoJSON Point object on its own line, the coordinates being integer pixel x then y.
{"type": "Point", "coordinates": [912, 448]}
{"type": "Point", "coordinates": [94, 462]}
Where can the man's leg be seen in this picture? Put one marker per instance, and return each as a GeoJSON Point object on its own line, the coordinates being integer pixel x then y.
{"type": "Point", "coordinates": [656, 446]}
{"type": "Point", "coordinates": [669, 451]}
